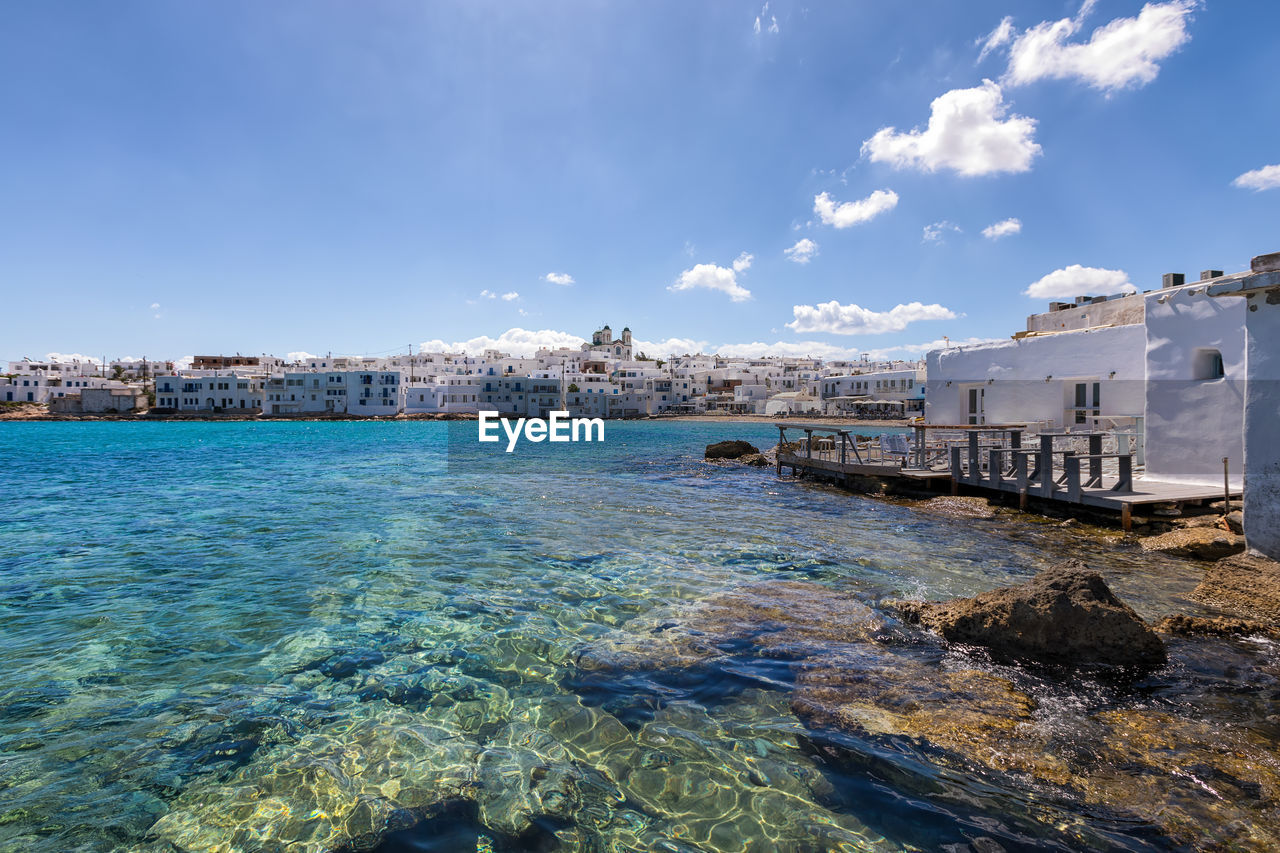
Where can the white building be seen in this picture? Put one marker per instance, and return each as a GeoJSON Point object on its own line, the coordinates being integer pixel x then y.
{"type": "Point", "coordinates": [218, 392]}
{"type": "Point", "coordinates": [1173, 368]}
{"type": "Point", "coordinates": [1061, 379]}
{"type": "Point", "coordinates": [1260, 290]}
{"type": "Point", "coordinates": [896, 390]}
{"type": "Point", "coordinates": [355, 392]}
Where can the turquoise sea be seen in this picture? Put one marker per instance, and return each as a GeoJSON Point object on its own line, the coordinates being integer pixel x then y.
{"type": "Point", "coordinates": [368, 636]}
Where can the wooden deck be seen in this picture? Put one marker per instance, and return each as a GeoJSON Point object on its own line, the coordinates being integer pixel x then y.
{"type": "Point", "coordinates": [1080, 476]}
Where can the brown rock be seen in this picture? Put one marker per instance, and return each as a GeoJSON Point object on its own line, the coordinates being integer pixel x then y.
{"type": "Point", "coordinates": [756, 460]}
{"type": "Point", "coordinates": [730, 450]}
{"type": "Point", "coordinates": [1213, 626]}
{"type": "Point", "coordinates": [1244, 584]}
{"type": "Point", "coordinates": [1201, 543]}
{"type": "Point", "coordinates": [1065, 614]}
{"type": "Point", "coordinates": [1235, 521]}
{"type": "Point", "coordinates": [958, 507]}
{"type": "Point", "coordinates": [1204, 785]}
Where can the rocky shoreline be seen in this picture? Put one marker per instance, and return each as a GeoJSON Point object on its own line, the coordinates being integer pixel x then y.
{"type": "Point", "coordinates": [1000, 695]}
{"type": "Point", "coordinates": [1246, 586]}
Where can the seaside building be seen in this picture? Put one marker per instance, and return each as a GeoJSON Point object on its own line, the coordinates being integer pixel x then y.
{"type": "Point", "coordinates": [217, 392]}
{"type": "Point", "coordinates": [100, 400]}
{"type": "Point", "coordinates": [894, 391]}
{"type": "Point", "coordinates": [356, 392]}
{"type": "Point", "coordinates": [1260, 291]}
{"type": "Point", "coordinates": [1167, 365]}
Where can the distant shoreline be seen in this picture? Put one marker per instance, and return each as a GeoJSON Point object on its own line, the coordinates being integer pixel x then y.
{"type": "Point", "coordinates": [26, 415]}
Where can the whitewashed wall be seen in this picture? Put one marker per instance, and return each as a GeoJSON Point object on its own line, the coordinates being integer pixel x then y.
{"type": "Point", "coordinates": [1191, 423]}
{"type": "Point", "coordinates": [1033, 379]}
{"type": "Point", "coordinates": [1262, 462]}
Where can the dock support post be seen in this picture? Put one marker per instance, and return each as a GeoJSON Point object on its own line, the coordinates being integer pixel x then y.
{"type": "Point", "coordinates": [1022, 499]}
{"type": "Point", "coordinates": [1126, 517]}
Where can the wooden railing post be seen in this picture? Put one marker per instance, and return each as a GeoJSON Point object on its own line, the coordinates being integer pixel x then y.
{"type": "Point", "coordinates": [1071, 463]}
{"type": "Point", "coordinates": [1095, 461]}
{"type": "Point", "coordinates": [1125, 481]}
{"type": "Point", "coordinates": [1045, 467]}
{"type": "Point", "coordinates": [995, 466]}
{"type": "Point", "coordinates": [975, 468]}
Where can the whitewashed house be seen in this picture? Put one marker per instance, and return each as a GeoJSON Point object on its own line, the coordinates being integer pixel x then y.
{"type": "Point", "coordinates": [1170, 362]}
{"type": "Point", "coordinates": [216, 392]}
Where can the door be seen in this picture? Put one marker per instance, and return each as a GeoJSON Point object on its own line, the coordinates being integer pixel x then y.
{"type": "Point", "coordinates": [1088, 402]}
{"type": "Point", "coordinates": [976, 405]}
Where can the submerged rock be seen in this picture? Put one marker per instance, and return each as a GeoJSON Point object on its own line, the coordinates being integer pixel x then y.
{"type": "Point", "coordinates": [1201, 785]}
{"type": "Point", "coordinates": [1244, 584]}
{"type": "Point", "coordinates": [786, 619]}
{"type": "Point", "coordinates": [730, 450]}
{"type": "Point", "coordinates": [1201, 543]}
{"type": "Point", "coordinates": [968, 712]}
{"type": "Point", "coordinates": [756, 460]}
{"type": "Point", "coordinates": [1065, 614]}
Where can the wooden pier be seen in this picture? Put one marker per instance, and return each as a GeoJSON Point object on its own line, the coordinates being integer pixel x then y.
{"type": "Point", "coordinates": [1066, 467]}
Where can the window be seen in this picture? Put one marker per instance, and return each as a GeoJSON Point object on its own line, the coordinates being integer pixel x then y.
{"type": "Point", "coordinates": [1206, 365]}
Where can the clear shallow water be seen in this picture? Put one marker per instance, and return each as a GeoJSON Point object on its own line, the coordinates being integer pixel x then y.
{"type": "Point", "coordinates": [344, 635]}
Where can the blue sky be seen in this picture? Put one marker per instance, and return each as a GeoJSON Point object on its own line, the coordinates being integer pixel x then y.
{"type": "Point", "coordinates": [365, 177]}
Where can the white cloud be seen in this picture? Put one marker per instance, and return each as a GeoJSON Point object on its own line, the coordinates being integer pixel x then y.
{"type": "Point", "coordinates": [933, 233]}
{"type": "Point", "coordinates": [516, 341]}
{"type": "Point", "coordinates": [967, 133]}
{"type": "Point", "coordinates": [183, 363]}
{"type": "Point", "coordinates": [510, 297]}
{"type": "Point", "coordinates": [1000, 36]}
{"type": "Point", "coordinates": [1003, 228]}
{"type": "Point", "coordinates": [1076, 280]}
{"type": "Point", "coordinates": [836, 319]}
{"type": "Point", "coordinates": [561, 278]}
{"type": "Point", "coordinates": [792, 349]}
{"type": "Point", "coordinates": [802, 252]}
{"type": "Point", "coordinates": [908, 351]}
{"type": "Point", "coordinates": [70, 357]}
{"type": "Point", "coordinates": [714, 277]}
{"type": "Point", "coordinates": [848, 213]}
{"type": "Point", "coordinates": [155, 306]}
{"type": "Point", "coordinates": [1266, 178]}
{"type": "Point", "coordinates": [765, 16]}
{"type": "Point", "coordinates": [299, 355]}
{"type": "Point", "coordinates": [524, 342]}
{"type": "Point", "coordinates": [488, 294]}
{"type": "Point", "coordinates": [670, 346]}
{"type": "Point", "coordinates": [1124, 52]}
